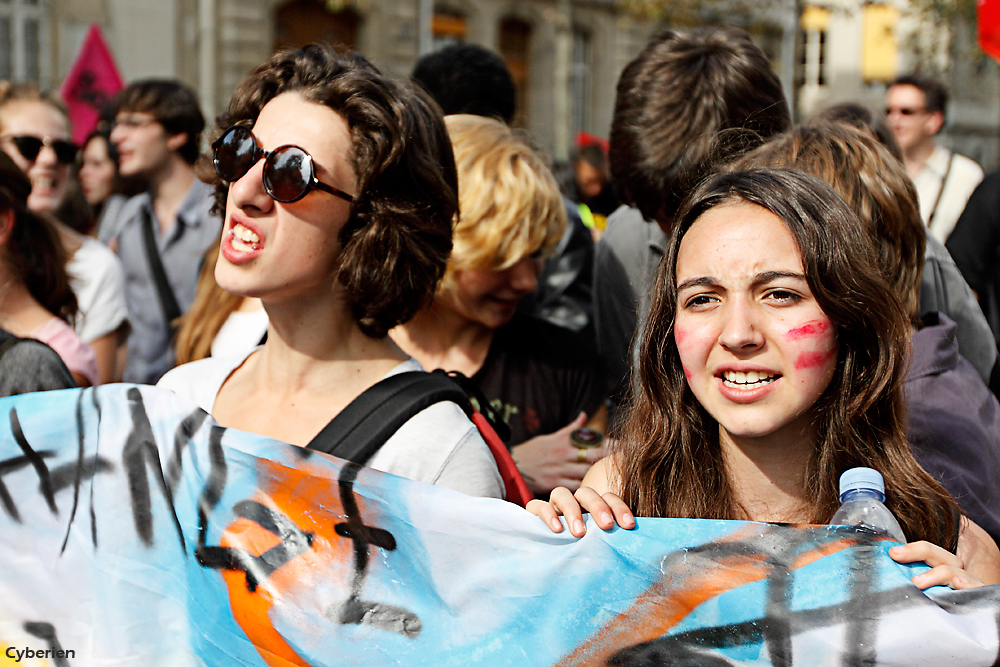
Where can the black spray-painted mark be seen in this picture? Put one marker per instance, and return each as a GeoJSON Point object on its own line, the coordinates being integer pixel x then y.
{"type": "Point", "coordinates": [97, 448]}
{"type": "Point", "coordinates": [294, 542]}
{"type": "Point", "coordinates": [355, 610]}
{"type": "Point", "coordinates": [859, 613]}
{"type": "Point", "coordinates": [47, 633]}
{"type": "Point", "coordinates": [139, 454]}
{"type": "Point", "coordinates": [214, 485]}
{"type": "Point", "coordinates": [13, 465]}
{"type": "Point", "coordinates": [35, 460]}
{"type": "Point", "coordinates": [182, 437]}
{"type": "Point", "coordinates": [50, 482]}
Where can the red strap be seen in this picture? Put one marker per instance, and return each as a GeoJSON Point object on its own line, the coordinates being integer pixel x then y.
{"type": "Point", "coordinates": [515, 487]}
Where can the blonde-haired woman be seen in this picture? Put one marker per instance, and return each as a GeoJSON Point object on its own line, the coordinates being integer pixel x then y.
{"type": "Point", "coordinates": [542, 380]}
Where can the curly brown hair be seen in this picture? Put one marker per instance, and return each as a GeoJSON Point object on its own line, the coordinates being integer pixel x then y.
{"type": "Point", "coordinates": [398, 235]}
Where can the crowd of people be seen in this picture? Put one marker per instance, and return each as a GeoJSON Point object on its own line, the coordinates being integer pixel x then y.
{"type": "Point", "coordinates": [713, 316]}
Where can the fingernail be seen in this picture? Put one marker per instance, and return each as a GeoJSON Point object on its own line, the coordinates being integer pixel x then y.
{"type": "Point", "coordinates": [629, 519]}
{"type": "Point", "coordinates": [579, 527]}
{"type": "Point", "coordinates": [961, 580]}
{"type": "Point", "coordinates": [556, 525]}
{"type": "Point", "coordinates": [895, 550]}
{"type": "Point", "coordinates": [607, 518]}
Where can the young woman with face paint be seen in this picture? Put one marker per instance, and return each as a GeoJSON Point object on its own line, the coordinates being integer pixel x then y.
{"type": "Point", "coordinates": [763, 376]}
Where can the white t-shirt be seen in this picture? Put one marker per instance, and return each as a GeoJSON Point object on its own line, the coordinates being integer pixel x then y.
{"type": "Point", "coordinates": [240, 334]}
{"type": "Point", "coordinates": [438, 445]}
{"type": "Point", "coordinates": [97, 279]}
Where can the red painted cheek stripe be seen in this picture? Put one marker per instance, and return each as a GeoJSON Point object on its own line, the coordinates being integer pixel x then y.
{"type": "Point", "coordinates": [813, 359]}
{"type": "Point", "coordinates": [811, 328]}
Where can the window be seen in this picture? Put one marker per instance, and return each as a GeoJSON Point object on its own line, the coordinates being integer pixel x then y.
{"type": "Point", "coordinates": [447, 27]}
{"type": "Point", "coordinates": [879, 46]}
{"type": "Point", "coordinates": [515, 49]}
{"type": "Point", "coordinates": [300, 22]}
{"type": "Point", "coordinates": [813, 63]}
{"type": "Point", "coordinates": [579, 82]}
{"type": "Point", "coordinates": [22, 33]}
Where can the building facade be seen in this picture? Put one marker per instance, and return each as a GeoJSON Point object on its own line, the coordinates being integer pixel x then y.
{"type": "Point", "coordinates": [565, 55]}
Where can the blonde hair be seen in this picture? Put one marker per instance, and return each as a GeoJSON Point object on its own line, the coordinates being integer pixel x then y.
{"type": "Point", "coordinates": [509, 203]}
{"type": "Point", "coordinates": [12, 93]}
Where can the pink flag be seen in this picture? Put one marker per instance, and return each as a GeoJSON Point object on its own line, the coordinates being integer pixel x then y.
{"type": "Point", "coordinates": [92, 81]}
{"type": "Point", "coordinates": [989, 27]}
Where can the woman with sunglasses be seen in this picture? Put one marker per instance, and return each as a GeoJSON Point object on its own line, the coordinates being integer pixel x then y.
{"type": "Point", "coordinates": [339, 193]}
{"type": "Point", "coordinates": [35, 133]}
{"type": "Point", "coordinates": [36, 300]}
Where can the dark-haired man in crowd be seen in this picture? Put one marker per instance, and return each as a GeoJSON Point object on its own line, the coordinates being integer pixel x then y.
{"type": "Point", "coordinates": [689, 101]}
{"type": "Point", "coordinates": [165, 231]}
{"type": "Point", "coordinates": [915, 110]}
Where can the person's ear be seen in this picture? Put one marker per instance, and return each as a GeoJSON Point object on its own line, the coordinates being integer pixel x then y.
{"type": "Point", "coordinates": [7, 222]}
{"type": "Point", "coordinates": [176, 141]}
{"type": "Point", "coordinates": [935, 121]}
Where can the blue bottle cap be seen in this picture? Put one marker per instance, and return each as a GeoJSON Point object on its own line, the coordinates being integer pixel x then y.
{"type": "Point", "coordinates": [862, 478]}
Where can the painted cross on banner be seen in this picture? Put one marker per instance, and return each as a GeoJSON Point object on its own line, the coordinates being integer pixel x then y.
{"type": "Point", "coordinates": [91, 83]}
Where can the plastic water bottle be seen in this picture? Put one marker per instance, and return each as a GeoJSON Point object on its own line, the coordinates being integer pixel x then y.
{"type": "Point", "coordinates": [862, 492]}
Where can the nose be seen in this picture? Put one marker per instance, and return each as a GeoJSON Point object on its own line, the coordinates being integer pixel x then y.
{"type": "Point", "coordinates": [248, 192]}
{"type": "Point", "coordinates": [740, 332]}
{"type": "Point", "coordinates": [116, 134]}
{"type": "Point", "coordinates": [47, 157]}
{"type": "Point", "coordinates": [524, 275]}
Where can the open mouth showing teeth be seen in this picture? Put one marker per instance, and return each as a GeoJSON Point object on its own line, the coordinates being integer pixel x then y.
{"type": "Point", "coordinates": [243, 238]}
{"type": "Point", "coordinates": [748, 380]}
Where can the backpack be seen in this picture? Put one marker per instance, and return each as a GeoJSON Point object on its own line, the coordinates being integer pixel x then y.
{"type": "Point", "coordinates": [368, 421]}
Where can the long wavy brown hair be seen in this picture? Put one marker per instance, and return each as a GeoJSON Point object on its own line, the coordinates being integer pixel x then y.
{"type": "Point", "coordinates": [669, 458]}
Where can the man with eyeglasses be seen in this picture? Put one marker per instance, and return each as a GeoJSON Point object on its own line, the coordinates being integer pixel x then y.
{"type": "Point", "coordinates": [915, 112]}
{"type": "Point", "coordinates": [163, 233]}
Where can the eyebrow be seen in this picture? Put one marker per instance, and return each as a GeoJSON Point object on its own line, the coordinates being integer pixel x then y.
{"type": "Point", "coordinates": [759, 279]}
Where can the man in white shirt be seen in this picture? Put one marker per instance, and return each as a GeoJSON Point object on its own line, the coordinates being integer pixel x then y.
{"type": "Point", "coordinates": [915, 107]}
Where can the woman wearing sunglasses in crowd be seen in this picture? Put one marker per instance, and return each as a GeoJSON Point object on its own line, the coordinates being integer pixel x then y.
{"type": "Point", "coordinates": [768, 378]}
{"type": "Point", "coordinates": [36, 300]}
{"type": "Point", "coordinates": [35, 133]}
{"type": "Point", "coordinates": [339, 199]}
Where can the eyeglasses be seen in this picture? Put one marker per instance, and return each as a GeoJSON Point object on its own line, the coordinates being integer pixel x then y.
{"type": "Point", "coordinates": [30, 146]}
{"type": "Point", "coordinates": [905, 111]}
{"type": "Point", "coordinates": [289, 172]}
{"type": "Point", "coordinates": [132, 122]}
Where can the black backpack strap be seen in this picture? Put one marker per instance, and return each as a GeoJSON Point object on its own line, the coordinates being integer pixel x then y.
{"type": "Point", "coordinates": [168, 301]}
{"type": "Point", "coordinates": [373, 417]}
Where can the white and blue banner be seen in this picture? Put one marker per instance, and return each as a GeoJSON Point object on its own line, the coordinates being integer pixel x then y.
{"type": "Point", "coordinates": [134, 530]}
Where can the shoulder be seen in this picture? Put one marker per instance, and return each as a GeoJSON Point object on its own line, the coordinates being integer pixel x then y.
{"type": "Point", "coordinates": [28, 365]}
{"type": "Point", "coordinates": [97, 277]}
{"type": "Point", "coordinates": [132, 207]}
{"type": "Point", "coordinates": [966, 165]}
{"type": "Point", "coordinates": [94, 259]}
{"type": "Point", "coordinates": [625, 231]}
{"type": "Point", "coordinates": [440, 445]}
{"type": "Point", "coordinates": [200, 381]}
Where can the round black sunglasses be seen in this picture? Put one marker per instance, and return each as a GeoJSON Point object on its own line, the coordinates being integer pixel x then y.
{"type": "Point", "coordinates": [289, 172]}
{"type": "Point", "coordinates": [30, 146]}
